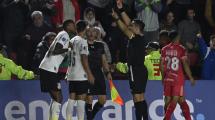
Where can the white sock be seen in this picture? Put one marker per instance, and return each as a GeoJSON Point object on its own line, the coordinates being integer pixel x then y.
{"type": "Point", "coordinates": [81, 109]}
{"type": "Point", "coordinates": [54, 110]}
{"type": "Point", "coordinates": [69, 109]}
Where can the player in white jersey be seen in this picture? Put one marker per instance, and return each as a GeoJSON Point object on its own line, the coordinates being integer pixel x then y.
{"type": "Point", "coordinates": [79, 73]}
{"type": "Point", "coordinates": [49, 76]}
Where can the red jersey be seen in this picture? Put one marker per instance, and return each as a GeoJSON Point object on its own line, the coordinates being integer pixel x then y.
{"type": "Point", "coordinates": [172, 56]}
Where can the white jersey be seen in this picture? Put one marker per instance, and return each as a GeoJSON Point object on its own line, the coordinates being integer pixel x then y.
{"type": "Point", "coordinates": [76, 71]}
{"type": "Point", "coordinates": [51, 62]}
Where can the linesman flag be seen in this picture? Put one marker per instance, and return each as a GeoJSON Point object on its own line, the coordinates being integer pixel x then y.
{"type": "Point", "coordinates": [115, 97]}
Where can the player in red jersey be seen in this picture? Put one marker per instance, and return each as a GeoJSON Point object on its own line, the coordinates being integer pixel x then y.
{"type": "Point", "coordinates": [174, 64]}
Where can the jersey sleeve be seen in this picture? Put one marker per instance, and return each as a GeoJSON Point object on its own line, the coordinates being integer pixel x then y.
{"type": "Point", "coordinates": [63, 40]}
{"type": "Point", "coordinates": [83, 47]}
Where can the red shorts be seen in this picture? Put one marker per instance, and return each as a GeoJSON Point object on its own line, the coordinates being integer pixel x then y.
{"type": "Point", "coordinates": [176, 90]}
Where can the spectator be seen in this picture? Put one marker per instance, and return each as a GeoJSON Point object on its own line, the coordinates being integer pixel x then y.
{"type": "Point", "coordinates": [89, 16]}
{"type": "Point", "coordinates": [147, 11]}
{"type": "Point", "coordinates": [32, 37]}
{"type": "Point", "coordinates": [14, 21]}
{"type": "Point", "coordinates": [208, 54]}
{"type": "Point", "coordinates": [188, 29]}
{"type": "Point", "coordinates": [65, 9]}
{"type": "Point", "coordinates": [8, 68]}
{"type": "Point", "coordinates": [42, 48]}
{"type": "Point", "coordinates": [45, 6]}
{"type": "Point", "coordinates": [168, 23]}
{"type": "Point", "coordinates": [209, 13]}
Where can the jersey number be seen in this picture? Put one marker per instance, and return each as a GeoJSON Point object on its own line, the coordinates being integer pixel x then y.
{"type": "Point", "coordinates": [172, 63]}
{"type": "Point", "coordinates": [156, 69]}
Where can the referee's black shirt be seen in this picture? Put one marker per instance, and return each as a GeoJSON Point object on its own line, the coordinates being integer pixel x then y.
{"type": "Point", "coordinates": [136, 51]}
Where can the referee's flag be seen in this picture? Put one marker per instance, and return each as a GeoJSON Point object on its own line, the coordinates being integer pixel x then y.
{"type": "Point", "coordinates": [115, 97]}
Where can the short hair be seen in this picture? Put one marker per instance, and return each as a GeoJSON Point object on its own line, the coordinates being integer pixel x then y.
{"type": "Point", "coordinates": [48, 35]}
{"type": "Point", "coordinates": [139, 23]}
{"type": "Point", "coordinates": [173, 35]}
{"type": "Point", "coordinates": [89, 9]}
{"type": "Point", "coordinates": [67, 22]}
{"type": "Point", "coordinates": [81, 26]}
{"type": "Point", "coordinates": [153, 45]}
{"type": "Point", "coordinates": [33, 14]}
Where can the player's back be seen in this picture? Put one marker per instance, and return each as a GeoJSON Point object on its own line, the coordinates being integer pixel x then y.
{"type": "Point", "coordinates": [76, 71]}
{"type": "Point", "coordinates": [172, 56]}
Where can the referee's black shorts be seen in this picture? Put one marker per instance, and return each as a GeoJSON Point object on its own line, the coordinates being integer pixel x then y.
{"type": "Point", "coordinates": [49, 81]}
{"type": "Point", "coordinates": [99, 87]}
{"type": "Point", "coordinates": [138, 79]}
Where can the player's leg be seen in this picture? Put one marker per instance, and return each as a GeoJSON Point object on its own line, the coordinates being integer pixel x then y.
{"type": "Point", "coordinates": [171, 107]}
{"type": "Point", "coordinates": [81, 106]}
{"type": "Point", "coordinates": [71, 100]}
{"type": "Point", "coordinates": [50, 82]}
{"type": "Point", "coordinates": [81, 93]}
{"type": "Point", "coordinates": [184, 107]}
{"type": "Point", "coordinates": [70, 106]}
{"type": "Point", "coordinates": [55, 105]}
{"type": "Point", "coordinates": [176, 92]}
{"type": "Point", "coordinates": [88, 107]}
{"type": "Point", "coordinates": [99, 104]}
{"type": "Point", "coordinates": [167, 100]}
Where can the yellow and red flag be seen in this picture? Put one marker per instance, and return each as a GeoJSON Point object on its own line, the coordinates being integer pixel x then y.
{"type": "Point", "coordinates": [115, 97]}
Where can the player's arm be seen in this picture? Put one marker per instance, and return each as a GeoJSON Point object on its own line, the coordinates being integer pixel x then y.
{"type": "Point", "coordinates": [162, 69]}
{"type": "Point", "coordinates": [187, 70]}
{"type": "Point", "coordinates": [84, 61]}
{"type": "Point", "coordinates": [60, 50]}
{"type": "Point", "coordinates": [105, 67]}
{"type": "Point", "coordinates": [122, 26]}
{"type": "Point", "coordinates": [208, 12]}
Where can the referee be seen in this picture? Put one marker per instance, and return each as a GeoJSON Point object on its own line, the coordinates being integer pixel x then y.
{"type": "Point", "coordinates": [136, 54]}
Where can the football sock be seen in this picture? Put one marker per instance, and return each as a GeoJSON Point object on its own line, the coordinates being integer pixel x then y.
{"type": "Point", "coordinates": [141, 110]}
{"type": "Point", "coordinates": [69, 109]}
{"type": "Point", "coordinates": [80, 109]}
{"type": "Point", "coordinates": [54, 110]}
{"type": "Point", "coordinates": [96, 108]}
{"type": "Point", "coordinates": [185, 109]}
{"type": "Point", "coordinates": [88, 109]}
{"type": "Point", "coordinates": [169, 110]}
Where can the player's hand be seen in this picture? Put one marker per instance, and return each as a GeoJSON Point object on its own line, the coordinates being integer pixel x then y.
{"type": "Point", "coordinates": [119, 4]}
{"type": "Point", "coordinates": [91, 79]}
{"type": "Point", "coordinates": [114, 14]}
{"type": "Point", "coordinates": [193, 82]}
{"type": "Point", "coordinates": [109, 76]}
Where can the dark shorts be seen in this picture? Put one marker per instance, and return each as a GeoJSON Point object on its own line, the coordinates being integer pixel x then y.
{"type": "Point", "coordinates": [78, 87]}
{"type": "Point", "coordinates": [138, 79]}
{"type": "Point", "coordinates": [99, 87]}
{"type": "Point", "coordinates": [49, 81]}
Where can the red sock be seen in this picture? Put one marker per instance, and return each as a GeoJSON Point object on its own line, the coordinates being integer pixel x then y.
{"type": "Point", "coordinates": [185, 109]}
{"type": "Point", "coordinates": [169, 110]}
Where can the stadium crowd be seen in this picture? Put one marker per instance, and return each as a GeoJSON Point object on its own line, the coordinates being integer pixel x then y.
{"type": "Point", "coordinates": [28, 27]}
